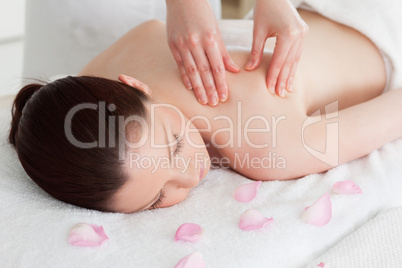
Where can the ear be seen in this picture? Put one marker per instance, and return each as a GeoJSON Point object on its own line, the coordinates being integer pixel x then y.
{"type": "Point", "coordinates": [132, 82]}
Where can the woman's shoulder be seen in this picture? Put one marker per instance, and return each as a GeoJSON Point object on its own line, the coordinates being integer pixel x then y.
{"type": "Point", "coordinates": [139, 40]}
{"type": "Point", "coordinates": [149, 25]}
{"type": "Point", "coordinates": [154, 24]}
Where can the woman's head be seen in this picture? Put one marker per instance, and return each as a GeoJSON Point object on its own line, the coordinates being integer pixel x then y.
{"type": "Point", "coordinates": [86, 177]}
{"type": "Point", "coordinates": [74, 138]}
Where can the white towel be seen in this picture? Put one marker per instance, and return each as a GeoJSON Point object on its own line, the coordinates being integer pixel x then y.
{"type": "Point", "coordinates": [375, 244]}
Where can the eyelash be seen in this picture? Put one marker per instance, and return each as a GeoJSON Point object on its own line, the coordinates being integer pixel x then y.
{"type": "Point", "coordinates": [162, 196]}
{"type": "Point", "coordinates": [159, 201]}
{"type": "Point", "coordinates": [179, 145]}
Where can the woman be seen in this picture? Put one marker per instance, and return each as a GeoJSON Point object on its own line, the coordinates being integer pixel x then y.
{"type": "Point", "coordinates": [99, 144]}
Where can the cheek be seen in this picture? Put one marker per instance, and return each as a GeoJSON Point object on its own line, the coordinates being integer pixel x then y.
{"type": "Point", "coordinates": [195, 140]}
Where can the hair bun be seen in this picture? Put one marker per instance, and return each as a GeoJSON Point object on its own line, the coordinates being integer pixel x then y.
{"type": "Point", "coordinates": [18, 105]}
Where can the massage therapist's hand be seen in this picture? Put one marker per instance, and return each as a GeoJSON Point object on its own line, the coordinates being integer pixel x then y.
{"type": "Point", "coordinates": [277, 18]}
{"type": "Point", "coordinates": [196, 43]}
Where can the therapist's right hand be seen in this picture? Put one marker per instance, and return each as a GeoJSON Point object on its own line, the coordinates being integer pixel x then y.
{"type": "Point", "coordinates": [196, 44]}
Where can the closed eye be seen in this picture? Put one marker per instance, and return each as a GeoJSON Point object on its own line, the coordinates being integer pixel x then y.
{"type": "Point", "coordinates": [179, 145]}
{"type": "Point", "coordinates": [158, 202]}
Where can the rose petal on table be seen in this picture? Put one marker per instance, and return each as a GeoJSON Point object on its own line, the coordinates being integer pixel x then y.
{"type": "Point", "coordinates": [191, 232]}
{"type": "Point", "coordinates": [251, 219]}
{"type": "Point", "coordinates": [346, 187]}
{"type": "Point", "coordinates": [320, 212]}
{"type": "Point", "coordinates": [323, 265]}
{"type": "Point", "coordinates": [194, 260]}
{"type": "Point", "coordinates": [246, 192]}
{"type": "Point", "coordinates": [87, 235]}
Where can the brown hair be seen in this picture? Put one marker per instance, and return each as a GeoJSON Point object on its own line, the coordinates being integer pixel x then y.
{"type": "Point", "coordinates": [86, 177]}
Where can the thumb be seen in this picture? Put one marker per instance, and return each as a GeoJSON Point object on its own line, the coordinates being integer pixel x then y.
{"type": "Point", "coordinates": [256, 51]}
{"type": "Point", "coordinates": [230, 65]}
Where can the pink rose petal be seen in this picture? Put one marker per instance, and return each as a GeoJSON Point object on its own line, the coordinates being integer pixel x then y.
{"type": "Point", "coordinates": [246, 192]}
{"type": "Point", "coordinates": [251, 219]}
{"type": "Point", "coordinates": [320, 212]}
{"type": "Point", "coordinates": [194, 260]}
{"type": "Point", "coordinates": [189, 232]}
{"type": "Point", "coordinates": [346, 187]}
{"type": "Point", "coordinates": [323, 265]}
{"type": "Point", "coordinates": [87, 235]}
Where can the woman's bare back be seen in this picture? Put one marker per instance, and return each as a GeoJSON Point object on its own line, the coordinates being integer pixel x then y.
{"type": "Point", "coordinates": [338, 66]}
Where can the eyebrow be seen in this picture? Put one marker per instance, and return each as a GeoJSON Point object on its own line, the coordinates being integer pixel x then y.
{"type": "Point", "coordinates": [158, 195]}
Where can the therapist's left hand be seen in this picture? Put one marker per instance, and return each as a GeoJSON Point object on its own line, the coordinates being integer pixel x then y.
{"type": "Point", "coordinates": [277, 18]}
{"type": "Point", "coordinates": [196, 44]}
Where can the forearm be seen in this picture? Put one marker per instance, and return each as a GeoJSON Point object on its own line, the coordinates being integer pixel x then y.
{"type": "Point", "coordinates": [175, 5]}
{"type": "Point", "coordinates": [368, 126]}
{"type": "Point", "coordinates": [352, 133]}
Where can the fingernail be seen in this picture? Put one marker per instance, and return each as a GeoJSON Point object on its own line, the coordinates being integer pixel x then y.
{"type": "Point", "coordinates": [203, 99]}
{"type": "Point", "coordinates": [248, 65]}
{"type": "Point", "coordinates": [235, 65]}
{"type": "Point", "coordinates": [223, 97]}
{"type": "Point", "coordinates": [271, 89]}
{"type": "Point", "coordinates": [282, 93]}
{"type": "Point", "coordinates": [188, 86]}
{"type": "Point", "coordinates": [290, 87]}
{"type": "Point", "coordinates": [214, 100]}
{"type": "Point", "coordinates": [133, 82]}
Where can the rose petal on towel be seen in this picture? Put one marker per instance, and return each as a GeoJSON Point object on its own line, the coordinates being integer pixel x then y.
{"type": "Point", "coordinates": [87, 235]}
{"type": "Point", "coordinates": [194, 260]}
{"type": "Point", "coordinates": [251, 219]}
{"type": "Point", "coordinates": [320, 212]}
{"type": "Point", "coordinates": [191, 232]}
{"type": "Point", "coordinates": [246, 192]}
{"type": "Point", "coordinates": [346, 187]}
{"type": "Point", "coordinates": [323, 265]}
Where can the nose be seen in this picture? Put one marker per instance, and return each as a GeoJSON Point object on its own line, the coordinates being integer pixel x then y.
{"type": "Point", "coordinates": [187, 181]}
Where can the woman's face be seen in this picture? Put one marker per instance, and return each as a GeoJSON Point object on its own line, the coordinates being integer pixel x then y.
{"type": "Point", "coordinates": [170, 160]}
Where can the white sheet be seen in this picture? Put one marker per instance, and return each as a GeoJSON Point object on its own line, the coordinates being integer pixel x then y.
{"type": "Point", "coordinates": [34, 227]}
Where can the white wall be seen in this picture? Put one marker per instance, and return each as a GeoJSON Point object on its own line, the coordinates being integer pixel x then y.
{"type": "Point", "coordinates": [11, 44]}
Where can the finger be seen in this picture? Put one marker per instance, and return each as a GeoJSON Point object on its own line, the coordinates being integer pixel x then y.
{"type": "Point", "coordinates": [131, 81]}
{"type": "Point", "coordinates": [218, 71]}
{"type": "Point", "coordinates": [257, 49]}
{"type": "Point", "coordinates": [230, 65]}
{"type": "Point", "coordinates": [177, 57]}
{"type": "Point", "coordinates": [281, 84]}
{"type": "Point", "coordinates": [206, 75]}
{"type": "Point", "coordinates": [281, 51]}
{"type": "Point", "coordinates": [292, 73]}
{"type": "Point", "coordinates": [194, 76]}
